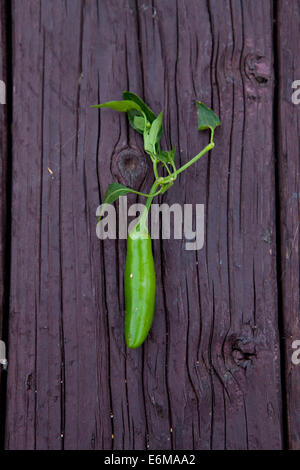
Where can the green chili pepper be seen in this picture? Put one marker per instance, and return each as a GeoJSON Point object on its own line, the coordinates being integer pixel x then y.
{"type": "Point", "coordinates": [140, 287]}
{"type": "Point", "coordinates": [139, 280]}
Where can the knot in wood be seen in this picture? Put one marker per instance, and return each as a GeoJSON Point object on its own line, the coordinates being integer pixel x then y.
{"type": "Point", "coordinates": [243, 352]}
{"type": "Point", "coordinates": [130, 167]}
{"type": "Point", "coordinates": [257, 67]}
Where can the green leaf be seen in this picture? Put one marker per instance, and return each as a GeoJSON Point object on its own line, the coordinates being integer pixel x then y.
{"type": "Point", "coordinates": [155, 129]}
{"type": "Point", "coordinates": [127, 95]}
{"type": "Point", "coordinates": [152, 135]}
{"type": "Point", "coordinates": [123, 106]}
{"type": "Point", "coordinates": [139, 123]}
{"type": "Point", "coordinates": [150, 115]}
{"type": "Point", "coordinates": [113, 192]}
{"type": "Point", "coordinates": [148, 145]}
{"type": "Point", "coordinates": [207, 119]}
{"type": "Point", "coordinates": [163, 156]}
{"type": "Point", "coordinates": [167, 156]}
{"type": "Point", "coordinates": [132, 115]}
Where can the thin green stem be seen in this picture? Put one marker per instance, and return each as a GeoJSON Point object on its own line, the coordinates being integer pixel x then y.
{"type": "Point", "coordinates": [167, 168]}
{"type": "Point", "coordinates": [152, 194]}
{"type": "Point", "coordinates": [143, 219]}
{"type": "Point", "coordinates": [146, 195]}
{"type": "Point", "coordinates": [155, 169]}
{"type": "Point", "coordinates": [174, 168]}
{"type": "Point", "coordinates": [203, 152]}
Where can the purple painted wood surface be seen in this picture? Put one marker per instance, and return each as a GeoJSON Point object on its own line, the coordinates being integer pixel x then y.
{"type": "Point", "coordinates": [289, 178]}
{"type": "Point", "coordinates": [3, 201]}
{"type": "Point", "coordinates": [209, 376]}
{"type": "Point", "coordinates": [3, 158]}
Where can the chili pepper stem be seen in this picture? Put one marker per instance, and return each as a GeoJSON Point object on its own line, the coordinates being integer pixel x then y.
{"type": "Point", "coordinates": [209, 147]}
{"type": "Point", "coordinates": [143, 219]}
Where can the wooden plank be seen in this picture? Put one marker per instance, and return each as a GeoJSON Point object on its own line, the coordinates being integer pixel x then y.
{"type": "Point", "coordinates": [208, 376]}
{"type": "Point", "coordinates": [3, 159]}
{"type": "Point", "coordinates": [53, 385]}
{"type": "Point", "coordinates": [226, 369]}
{"type": "Point", "coordinates": [3, 202]}
{"type": "Point", "coordinates": [288, 18]}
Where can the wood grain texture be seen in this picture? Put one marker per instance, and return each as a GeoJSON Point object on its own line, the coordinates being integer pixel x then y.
{"type": "Point", "coordinates": [288, 17]}
{"type": "Point", "coordinates": [208, 375]}
{"type": "Point", "coordinates": [3, 160]}
{"type": "Point", "coordinates": [3, 208]}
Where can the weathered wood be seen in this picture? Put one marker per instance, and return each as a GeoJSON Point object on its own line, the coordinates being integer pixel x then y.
{"type": "Point", "coordinates": [208, 376]}
{"type": "Point", "coordinates": [222, 331]}
{"type": "Point", "coordinates": [3, 199]}
{"type": "Point", "coordinates": [288, 19]}
{"type": "Point", "coordinates": [3, 158]}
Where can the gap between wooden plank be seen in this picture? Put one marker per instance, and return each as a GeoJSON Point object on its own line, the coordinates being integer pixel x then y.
{"type": "Point", "coordinates": [278, 224]}
{"type": "Point", "coordinates": [5, 195]}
